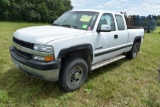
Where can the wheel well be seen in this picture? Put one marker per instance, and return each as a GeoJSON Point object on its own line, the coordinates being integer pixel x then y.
{"type": "Point", "coordinates": [138, 40]}
{"type": "Point", "coordinates": [82, 53]}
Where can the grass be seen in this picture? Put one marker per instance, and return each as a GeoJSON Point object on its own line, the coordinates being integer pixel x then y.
{"type": "Point", "coordinates": [124, 83]}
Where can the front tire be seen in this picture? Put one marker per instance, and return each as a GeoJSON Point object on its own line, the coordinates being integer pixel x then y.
{"type": "Point", "coordinates": [74, 72]}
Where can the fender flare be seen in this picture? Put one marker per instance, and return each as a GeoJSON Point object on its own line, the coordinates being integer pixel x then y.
{"type": "Point", "coordinates": [64, 51]}
{"type": "Point", "coordinates": [136, 38]}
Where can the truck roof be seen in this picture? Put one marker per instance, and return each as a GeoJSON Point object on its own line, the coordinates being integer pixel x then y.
{"type": "Point", "coordinates": [94, 10]}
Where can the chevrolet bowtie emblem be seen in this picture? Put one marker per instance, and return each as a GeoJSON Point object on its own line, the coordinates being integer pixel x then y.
{"type": "Point", "coordinates": [18, 47]}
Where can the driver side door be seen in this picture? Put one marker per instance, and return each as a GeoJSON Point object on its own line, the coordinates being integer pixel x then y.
{"type": "Point", "coordinates": [105, 42]}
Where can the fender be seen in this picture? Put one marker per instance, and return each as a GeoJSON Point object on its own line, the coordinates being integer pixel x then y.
{"type": "Point", "coordinates": [136, 38]}
{"type": "Point", "coordinates": [64, 51]}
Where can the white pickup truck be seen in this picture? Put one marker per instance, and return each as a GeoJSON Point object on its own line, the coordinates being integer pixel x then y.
{"type": "Point", "coordinates": [75, 44]}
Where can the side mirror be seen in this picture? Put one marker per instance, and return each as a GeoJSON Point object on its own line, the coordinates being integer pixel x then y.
{"type": "Point", "coordinates": [104, 28]}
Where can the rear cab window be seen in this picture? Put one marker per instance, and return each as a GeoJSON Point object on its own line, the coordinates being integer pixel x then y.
{"type": "Point", "coordinates": [120, 22]}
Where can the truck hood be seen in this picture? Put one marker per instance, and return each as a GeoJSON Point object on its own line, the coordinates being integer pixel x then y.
{"type": "Point", "coordinates": [45, 34]}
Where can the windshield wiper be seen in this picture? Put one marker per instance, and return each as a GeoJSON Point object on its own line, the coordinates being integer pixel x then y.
{"type": "Point", "coordinates": [56, 24]}
{"type": "Point", "coordinates": [65, 25]}
{"type": "Point", "coordinates": [70, 26]}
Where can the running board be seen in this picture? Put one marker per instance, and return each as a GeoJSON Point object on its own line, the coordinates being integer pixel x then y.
{"type": "Point", "coordinates": [106, 62]}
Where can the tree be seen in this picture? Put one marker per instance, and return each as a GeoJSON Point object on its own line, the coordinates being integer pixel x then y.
{"type": "Point", "coordinates": [158, 22]}
{"type": "Point", "coordinates": [33, 11]}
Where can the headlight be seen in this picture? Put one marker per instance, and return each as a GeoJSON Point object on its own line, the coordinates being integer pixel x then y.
{"type": "Point", "coordinates": [43, 48]}
{"type": "Point", "coordinates": [46, 58]}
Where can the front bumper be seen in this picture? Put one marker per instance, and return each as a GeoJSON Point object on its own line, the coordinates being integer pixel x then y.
{"type": "Point", "coordinates": [43, 70]}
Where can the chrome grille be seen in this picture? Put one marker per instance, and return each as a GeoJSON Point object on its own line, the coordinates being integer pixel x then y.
{"type": "Point", "coordinates": [23, 43]}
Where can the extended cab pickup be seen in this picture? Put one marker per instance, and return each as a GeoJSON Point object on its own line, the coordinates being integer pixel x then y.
{"type": "Point", "coordinates": [75, 44]}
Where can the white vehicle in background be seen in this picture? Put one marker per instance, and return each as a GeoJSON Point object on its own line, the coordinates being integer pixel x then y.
{"type": "Point", "coordinates": [77, 43]}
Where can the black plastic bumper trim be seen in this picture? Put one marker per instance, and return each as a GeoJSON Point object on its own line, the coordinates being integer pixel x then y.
{"type": "Point", "coordinates": [39, 65]}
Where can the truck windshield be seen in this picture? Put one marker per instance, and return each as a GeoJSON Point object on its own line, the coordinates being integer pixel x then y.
{"type": "Point", "coordinates": [84, 20]}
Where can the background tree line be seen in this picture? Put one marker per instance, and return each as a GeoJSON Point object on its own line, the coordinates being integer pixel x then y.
{"type": "Point", "coordinates": [158, 20]}
{"type": "Point", "coordinates": [33, 10]}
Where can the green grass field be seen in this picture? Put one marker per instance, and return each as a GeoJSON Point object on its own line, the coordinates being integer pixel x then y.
{"type": "Point", "coordinates": [130, 83]}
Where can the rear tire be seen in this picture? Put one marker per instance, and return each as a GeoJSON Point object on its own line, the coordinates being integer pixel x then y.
{"type": "Point", "coordinates": [134, 51]}
{"type": "Point", "coordinates": [74, 72]}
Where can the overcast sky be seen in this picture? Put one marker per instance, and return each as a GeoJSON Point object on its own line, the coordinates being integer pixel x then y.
{"type": "Point", "coordinates": [132, 7]}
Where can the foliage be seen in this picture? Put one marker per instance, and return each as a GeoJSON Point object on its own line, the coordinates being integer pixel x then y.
{"type": "Point", "coordinates": [33, 10]}
{"type": "Point", "coordinates": [158, 17]}
{"type": "Point", "coordinates": [126, 83]}
{"type": "Point", "coordinates": [158, 22]}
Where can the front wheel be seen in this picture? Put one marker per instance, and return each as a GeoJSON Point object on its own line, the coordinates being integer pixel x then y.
{"type": "Point", "coordinates": [134, 51]}
{"type": "Point", "coordinates": [73, 74]}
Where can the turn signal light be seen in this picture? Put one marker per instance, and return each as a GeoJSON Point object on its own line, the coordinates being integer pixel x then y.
{"type": "Point", "coordinates": [49, 58]}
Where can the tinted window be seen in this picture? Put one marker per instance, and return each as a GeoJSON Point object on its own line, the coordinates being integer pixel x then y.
{"type": "Point", "coordinates": [107, 19]}
{"type": "Point", "coordinates": [120, 22]}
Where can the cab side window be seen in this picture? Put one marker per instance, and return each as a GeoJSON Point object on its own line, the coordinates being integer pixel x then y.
{"type": "Point", "coordinates": [107, 19]}
{"type": "Point", "coordinates": [120, 22]}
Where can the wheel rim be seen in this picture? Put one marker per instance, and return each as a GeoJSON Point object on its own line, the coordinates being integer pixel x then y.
{"type": "Point", "coordinates": [135, 51]}
{"type": "Point", "coordinates": [76, 75]}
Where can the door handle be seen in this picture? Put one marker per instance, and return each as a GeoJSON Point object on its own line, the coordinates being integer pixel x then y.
{"type": "Point", "coordinates": [115, 36]}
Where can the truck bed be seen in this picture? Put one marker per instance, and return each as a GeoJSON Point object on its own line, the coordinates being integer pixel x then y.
{"type": "Point", "coordinates": [135, 32]}
{"type": "Point", "coordinates": [134, 27]}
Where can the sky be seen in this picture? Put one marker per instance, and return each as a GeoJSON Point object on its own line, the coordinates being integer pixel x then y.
{"type": "Point", "coordinates": [132, 7]}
